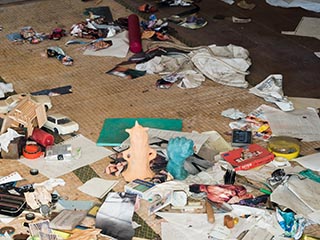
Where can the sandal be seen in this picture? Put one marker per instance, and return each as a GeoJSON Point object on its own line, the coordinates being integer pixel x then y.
{"type": "Point", "coordinates": [146, 8]}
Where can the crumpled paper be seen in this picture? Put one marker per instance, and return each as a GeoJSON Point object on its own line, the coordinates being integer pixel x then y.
{"type": "Point", "coordinates": [271, 90]}
{"type": "Point", "coordinates": [233, 113]}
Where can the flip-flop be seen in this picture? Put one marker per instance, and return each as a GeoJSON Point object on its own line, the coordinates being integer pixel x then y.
{"type": "Point", "coordinates": [146, 8]}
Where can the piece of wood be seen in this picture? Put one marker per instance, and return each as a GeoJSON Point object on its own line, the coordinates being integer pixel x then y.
{"type": "Point", "coordinates": [210, 212]}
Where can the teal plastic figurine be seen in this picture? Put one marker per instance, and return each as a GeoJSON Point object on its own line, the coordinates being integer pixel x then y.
{"type": "Point", "coordinates": [179, 149]}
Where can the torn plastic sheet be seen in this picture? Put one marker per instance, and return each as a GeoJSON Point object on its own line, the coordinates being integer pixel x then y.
{"type": "Point", "coordinates": [292, 225]}
{"type": "Point", "coordinates": [233, 113]}
{"type": "Point", "coordinates": [5, 88]}
{"type": "Point", "coordinates": [7, 137]}
{"type": "Point", "coordinates": [271, 90]}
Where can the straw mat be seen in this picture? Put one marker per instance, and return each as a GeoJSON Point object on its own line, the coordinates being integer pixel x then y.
{"type": "Point", "coordinates": [97, 95]}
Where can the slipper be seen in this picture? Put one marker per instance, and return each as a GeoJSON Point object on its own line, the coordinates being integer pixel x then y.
{"type": "Point", "coordinates": [146, 8]}
{"type": "Point", "coordinates": [193, 22]}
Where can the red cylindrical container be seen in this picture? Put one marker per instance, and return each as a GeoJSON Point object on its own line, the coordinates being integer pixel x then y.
{"type": "Point", "coordinates": [135, 44]}
{"type": "Point", "coordinates": [42, 137]}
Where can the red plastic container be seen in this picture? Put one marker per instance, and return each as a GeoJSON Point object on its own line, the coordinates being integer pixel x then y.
{"type": "Point", "coordinates": [42, 137]}
{"type": "Point", "coordinates": [135, 44]}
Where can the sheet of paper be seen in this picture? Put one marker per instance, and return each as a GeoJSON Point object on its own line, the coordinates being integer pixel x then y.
{"type": "Point", "coordinates": [311, 161]}
{"type": "Point", "coordinates": [302, 103]}
{"type": "Point", "coordinates": [271, 90]}
{"type": "Point", "coordinates": [90, 153]}
{"type": "Point", "coordinates": [301, 123]}
{"type": "Point", "coordinates": [171, 231]}
{"type": "Point", "coordinates": [315, 216]}
{"type": "Point", "coordinates": [97, 187]}
{"type": "Point", "coordinates": [195, 222]}
{"type": "Point", "coordinates": [261, 232]}
{"type": "Point", "coordinates": [192, 224]}
{"type": "Point", "coordinates": [197, 138]}
{"type": "Point", "coordinates": [307, 27]}
{"type": "Point", "coordinates": [6, 219]}
{"type": "Point", "coordinates": [298, 195]}
{"type": "Point", "coordinates": [114, 217]}
{"type": "Point", "coordinates": [119, 48]}
{"type": "Point", "coordinates": [12, 177]}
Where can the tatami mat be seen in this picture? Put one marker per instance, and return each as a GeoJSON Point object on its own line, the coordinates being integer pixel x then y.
{"type": "Point", "coordinates": [96, 95]}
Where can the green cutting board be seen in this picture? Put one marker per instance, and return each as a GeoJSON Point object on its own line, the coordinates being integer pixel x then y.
{"type": "Point", "coordinates": [113, 130]}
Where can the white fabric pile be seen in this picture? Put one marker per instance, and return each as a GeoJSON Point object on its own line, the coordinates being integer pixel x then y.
{"type": "Point", "coordinates": [227, 65]}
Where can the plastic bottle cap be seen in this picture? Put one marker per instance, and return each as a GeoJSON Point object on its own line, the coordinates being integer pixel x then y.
{"type": "Point", "coordinates": [30, 216]}
{"type": "Point", "coordinates": [34, 171]}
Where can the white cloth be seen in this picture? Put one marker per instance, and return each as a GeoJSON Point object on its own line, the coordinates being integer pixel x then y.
{"type": "Point", "coordinates": [226, 64]}
{"type": "Point", "coordinates": [312, 5]}
{"type": "Point", "coordinates": [223, 64]}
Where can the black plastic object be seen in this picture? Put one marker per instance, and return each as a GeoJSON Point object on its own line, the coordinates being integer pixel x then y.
{"type": "Point", "coordinates": [30, 216]}
{"type": "Point", "coordinates": [34, 171]}
{"type": "Point", "coordinates": [11, 204]}
{"type": "Point", "coordinates": [241, 138]}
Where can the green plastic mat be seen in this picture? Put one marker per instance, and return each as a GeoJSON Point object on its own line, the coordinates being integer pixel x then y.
{"type": "Point", "coordinates": [113, 130]}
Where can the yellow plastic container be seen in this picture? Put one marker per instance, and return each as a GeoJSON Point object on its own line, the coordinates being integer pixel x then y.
{"type": "Point", "coordinates": [286, 147]}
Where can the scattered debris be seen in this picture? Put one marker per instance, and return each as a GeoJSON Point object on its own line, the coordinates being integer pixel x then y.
{"type": "Point", "coordinates": [271, 90]}
{"type": "Point", "coordinates": [59, 54]}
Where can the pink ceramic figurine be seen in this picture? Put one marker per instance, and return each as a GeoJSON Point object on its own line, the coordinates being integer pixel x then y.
{"type": "Point", "coordinates": [138, 155]}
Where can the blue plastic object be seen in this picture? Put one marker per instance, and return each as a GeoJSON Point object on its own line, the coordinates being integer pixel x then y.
{"type": "Point", "coordinates": [179, 149]}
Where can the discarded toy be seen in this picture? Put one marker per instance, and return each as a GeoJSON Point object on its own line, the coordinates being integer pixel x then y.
{"type": "Point", "coordinates": [179, 149]}
{"type": "Point", "coordinates": [60, 124]}
{"type": "Point", "coordinates": [138, 155]}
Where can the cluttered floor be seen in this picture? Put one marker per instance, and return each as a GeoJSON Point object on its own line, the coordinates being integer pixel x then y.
{"type": "Point", "coordinates": [210, 166]}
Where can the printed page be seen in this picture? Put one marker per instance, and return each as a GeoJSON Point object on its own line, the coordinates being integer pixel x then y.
{"type": "Point", "coordinates": [302, 123]}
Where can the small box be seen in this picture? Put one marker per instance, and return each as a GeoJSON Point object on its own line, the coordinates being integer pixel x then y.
{"type": "Point", "coordinates": [241, 138]}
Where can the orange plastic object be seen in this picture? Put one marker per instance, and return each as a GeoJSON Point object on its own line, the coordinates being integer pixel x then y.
{"type": "Point", "coordinates": [32, 151]}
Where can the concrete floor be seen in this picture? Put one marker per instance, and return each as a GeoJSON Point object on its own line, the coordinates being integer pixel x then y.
{"type": "Point", "coordinates": [270, 51]}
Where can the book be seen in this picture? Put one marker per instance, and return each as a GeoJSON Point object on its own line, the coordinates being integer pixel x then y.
{"type": "Point", "coordinates": [248, 157]}
{"type": "Point", "coordinates": [97, 187]}
{"type": "Point", "coordinates": [67, 219]}
{"type": "Point", "coordinates": [140, 188]}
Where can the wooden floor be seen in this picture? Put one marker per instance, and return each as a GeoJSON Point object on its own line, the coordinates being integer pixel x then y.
{"type": "Point", "coordinates": [270, 51]}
